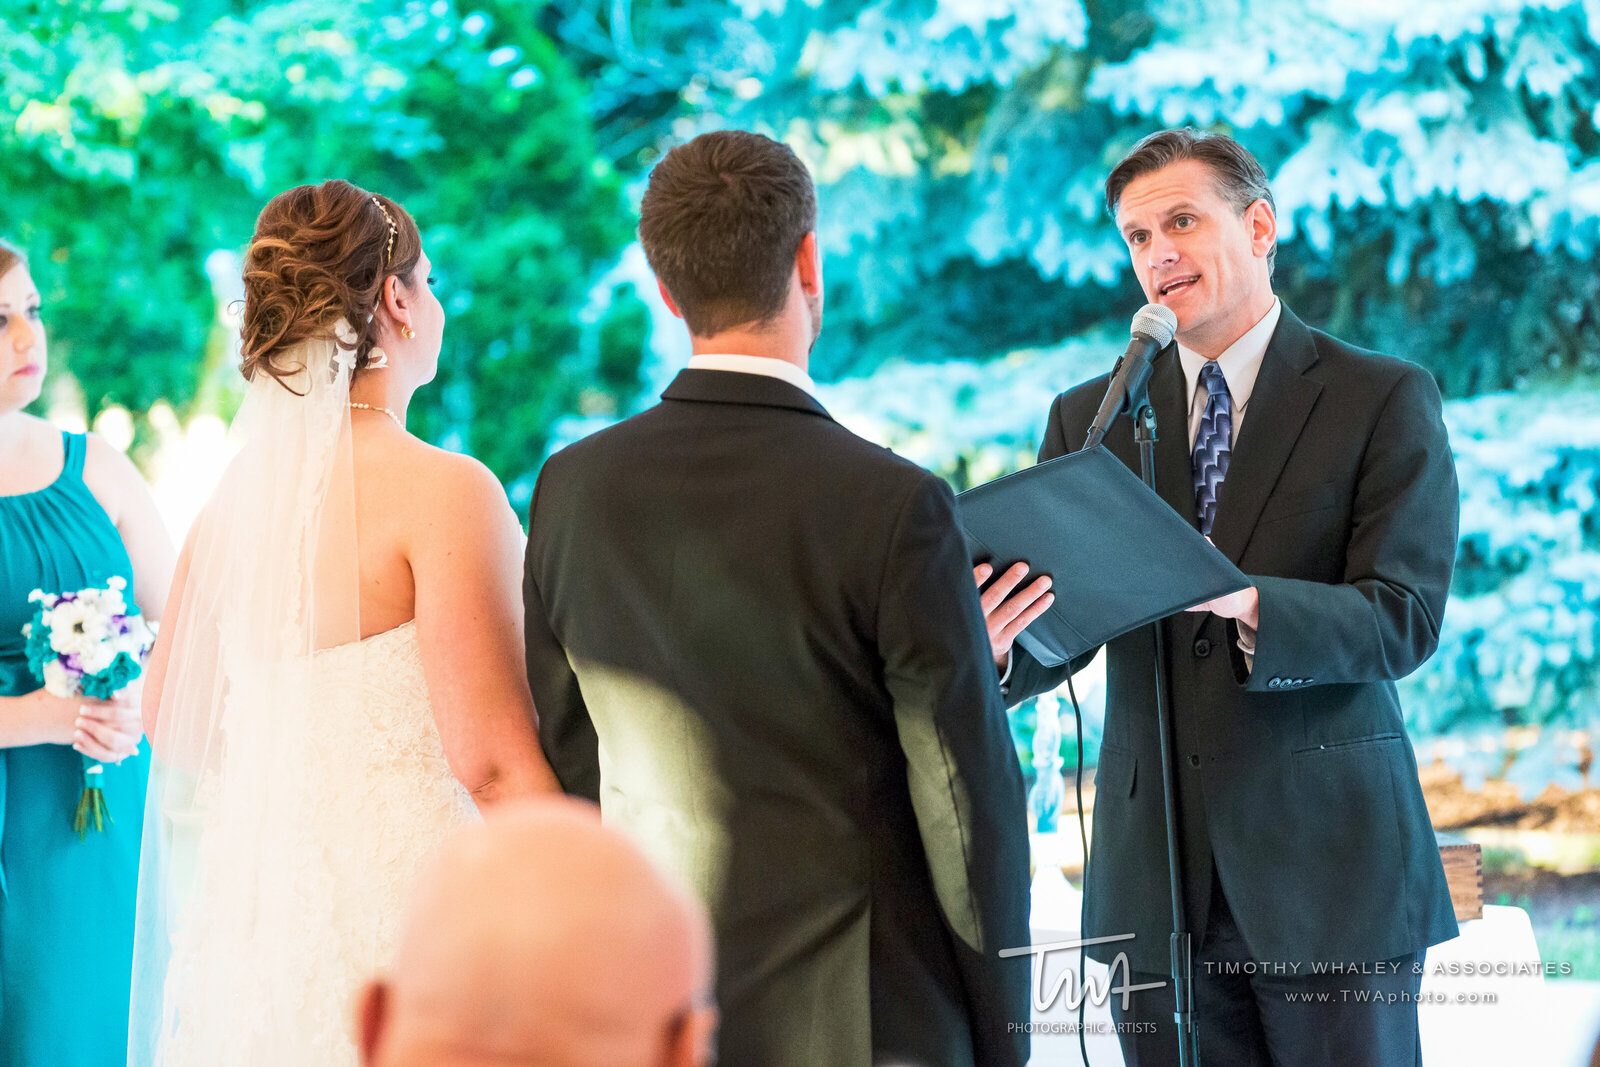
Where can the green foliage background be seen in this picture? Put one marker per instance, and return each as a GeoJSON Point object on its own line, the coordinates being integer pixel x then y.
{"type": "Point", "coordinates": [138, 140]}
{"type": "Point", "coordinates": [1436, 166]}
{"type": "Point", "coordinates": [1436, 169]}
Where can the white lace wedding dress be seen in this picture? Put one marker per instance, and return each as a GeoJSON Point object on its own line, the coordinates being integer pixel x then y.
{"type": "Point", "coordinates": [306, 861]}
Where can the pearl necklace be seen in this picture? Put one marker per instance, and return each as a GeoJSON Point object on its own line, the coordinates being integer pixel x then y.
{"type": "Point", "coordinates": [374, 407]}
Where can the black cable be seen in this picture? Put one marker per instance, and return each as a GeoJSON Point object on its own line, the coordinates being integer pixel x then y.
{"type": "Point", "coordinates": [1083, 897]}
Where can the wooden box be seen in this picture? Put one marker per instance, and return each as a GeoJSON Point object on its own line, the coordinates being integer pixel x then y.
{"type": "Point", "coordinates": [1463, 871]}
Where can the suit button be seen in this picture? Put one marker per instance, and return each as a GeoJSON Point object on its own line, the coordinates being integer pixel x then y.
{"type": "Point", "coordinates": [1202, 648]}
{"type": "Point", "coordinates": [1194, 761]}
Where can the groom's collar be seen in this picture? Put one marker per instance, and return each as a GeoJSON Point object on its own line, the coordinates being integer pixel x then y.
{"type": "Point", "coordinates": [734, 387]}
{"type": "Point", "coordinates": [767, 365]}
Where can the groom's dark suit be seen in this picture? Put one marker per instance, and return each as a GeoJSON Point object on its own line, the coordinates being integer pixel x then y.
{"type": "Point", "coordinates": [754, 638]}
{"type": "Point", "coordinates": [1297, 789]}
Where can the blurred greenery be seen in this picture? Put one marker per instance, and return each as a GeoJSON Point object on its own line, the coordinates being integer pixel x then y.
{"type": "Point", "coordinates": [1437, 170]}
{"type": "Point", "coordinates": [139, 139]}
{"type": "Point", "coordinates": [1436, 164]}
{"type": "Point", "coordinates": [1436, 167]}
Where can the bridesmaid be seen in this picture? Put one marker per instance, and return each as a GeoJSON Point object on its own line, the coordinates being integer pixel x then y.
{"type": "Point", "coordinates": [73, 513]}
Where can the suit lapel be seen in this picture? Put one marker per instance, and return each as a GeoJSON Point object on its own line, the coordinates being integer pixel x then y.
{"type": "Point", "coordinates": [1174, 483]}
{"type": "Point", "coordinates": [1169, 394]}
{"type": "Point", "coordinates": [1279, 406]}
{"type": "Point", "coordinates": [1174, 472]}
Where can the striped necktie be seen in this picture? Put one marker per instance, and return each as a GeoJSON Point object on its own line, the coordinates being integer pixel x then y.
{"type": "Point", "coordinates": [1213, 445]}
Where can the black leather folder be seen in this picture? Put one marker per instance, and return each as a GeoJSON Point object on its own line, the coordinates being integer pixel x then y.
{"type": "Point", "coordinates": [1119, 556]}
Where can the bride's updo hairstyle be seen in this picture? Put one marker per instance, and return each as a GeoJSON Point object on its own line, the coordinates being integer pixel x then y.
{"type": "Point", "coordinates": [321, 253]}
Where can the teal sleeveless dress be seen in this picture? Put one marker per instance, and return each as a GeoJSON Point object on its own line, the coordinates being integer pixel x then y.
{"type": "Point", "coordinates": [66, 906]}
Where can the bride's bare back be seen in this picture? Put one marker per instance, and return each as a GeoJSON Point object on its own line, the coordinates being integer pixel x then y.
{"type": "Point", "coordinates": [439, 543]}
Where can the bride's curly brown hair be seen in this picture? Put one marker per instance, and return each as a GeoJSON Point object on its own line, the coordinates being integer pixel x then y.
{"type": "Point", "coordinates": [321, 253]}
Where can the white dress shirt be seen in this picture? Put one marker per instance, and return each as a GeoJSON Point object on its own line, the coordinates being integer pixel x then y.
{"type": "Point", "coordinates": [1239, 363]}
{"type": "Point", "coordinates": [768, 366]}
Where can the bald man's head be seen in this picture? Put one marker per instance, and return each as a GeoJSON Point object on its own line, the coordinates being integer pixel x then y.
{"type": "Point", "coordinates": [542, 937]}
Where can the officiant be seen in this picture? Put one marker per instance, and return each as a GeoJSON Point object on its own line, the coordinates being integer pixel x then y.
{"type": "Point", "coordinates": [1323, 471]}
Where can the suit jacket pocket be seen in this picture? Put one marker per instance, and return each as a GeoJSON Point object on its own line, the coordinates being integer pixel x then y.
{"type": "Point", "coordinates": [1345, 792]}
{"type": "Point", "coordinates": [1288, 505]}
{"type": "Point", "coordinates": [1113, 774]}
{"type": "Point", "coordinates": [1330, 861]}
{"type": "Point", "coordinates": [1350, 746]}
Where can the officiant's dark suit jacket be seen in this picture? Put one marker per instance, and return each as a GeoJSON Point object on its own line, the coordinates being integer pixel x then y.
{"type": "Point", "coordinates": [755, 639]}
{"type": "Point", "coordinates": [1295, 777]}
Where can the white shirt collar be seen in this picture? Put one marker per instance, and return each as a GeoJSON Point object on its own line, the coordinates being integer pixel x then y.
{"type": "Point", "coordinates": [1240, 362]}
{"type": "Point", "coordinates": [764, 365]}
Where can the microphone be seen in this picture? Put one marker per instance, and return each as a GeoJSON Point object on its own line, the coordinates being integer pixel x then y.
{"type": "Point", "coordinates": [1153, 329]}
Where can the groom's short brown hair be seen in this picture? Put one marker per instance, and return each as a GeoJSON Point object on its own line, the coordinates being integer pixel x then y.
{"type": "Point", "coordinates": [720, 223]}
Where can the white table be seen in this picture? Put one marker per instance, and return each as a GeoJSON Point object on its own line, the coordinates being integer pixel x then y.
{"type": "Point", "coordinates": [1499, 1019]}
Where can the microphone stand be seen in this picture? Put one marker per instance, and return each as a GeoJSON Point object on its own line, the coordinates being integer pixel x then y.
{"type": "Point", "coordinates": [1131, 378]}
{"type": "Point", "coordinates": [1144, 431]}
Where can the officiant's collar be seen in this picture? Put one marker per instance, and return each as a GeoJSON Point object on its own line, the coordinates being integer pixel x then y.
{"type": "Point", "coordinates": [764, 365]}
{"type": "Point", "coordinates": [1239, 362]}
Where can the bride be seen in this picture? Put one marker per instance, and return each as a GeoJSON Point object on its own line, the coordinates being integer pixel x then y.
{"type": "Point", "coordinates": [340, 678]}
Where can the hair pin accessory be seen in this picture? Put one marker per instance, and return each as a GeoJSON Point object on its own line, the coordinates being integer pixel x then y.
{"type": "Point", "coordinates": [388, 248]}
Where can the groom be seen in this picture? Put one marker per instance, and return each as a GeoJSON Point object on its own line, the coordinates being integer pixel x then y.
{"type": "Point", "coordinates": [749, 639]}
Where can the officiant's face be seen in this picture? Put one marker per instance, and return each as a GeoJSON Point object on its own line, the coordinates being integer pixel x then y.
{"type": "Point", "coordinates": [1196, 253]}
{"type": "Point", "coordinates": [22, 343]}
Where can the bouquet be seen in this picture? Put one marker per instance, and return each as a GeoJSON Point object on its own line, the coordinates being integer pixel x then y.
{"type": "Point", "coordinates": [91, 643]}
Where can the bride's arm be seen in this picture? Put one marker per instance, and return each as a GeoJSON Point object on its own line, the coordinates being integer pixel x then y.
{"type": "Point", "coordinates": [466, 560]}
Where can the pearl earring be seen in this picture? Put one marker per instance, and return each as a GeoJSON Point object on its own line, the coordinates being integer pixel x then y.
{"type": "Point", "coordinates": [407, 332]}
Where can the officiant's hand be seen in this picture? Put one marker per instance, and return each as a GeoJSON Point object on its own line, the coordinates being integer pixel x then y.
{"type": "Point", "coordinates": [1007, 611]}
{"type": "Point", "coordinates": [1244, 607]}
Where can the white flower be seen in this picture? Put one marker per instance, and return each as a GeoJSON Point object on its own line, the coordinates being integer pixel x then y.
{"type": "Point", "coordinates": [117, 582]}
{"type": "Point", "coordinates": [133, 643]}
{"type": "Point", "coordinates": [76, 627]}
{"type": "Point", "coordinates": [58, 681]}
{"type": "Point", "coordinates": [97, 657]}
{"type": "Point", "coordinates": [67, 629]}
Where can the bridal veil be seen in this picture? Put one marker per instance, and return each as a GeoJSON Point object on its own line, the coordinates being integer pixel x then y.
{"type": "Point", "coordinates": [272, 577]}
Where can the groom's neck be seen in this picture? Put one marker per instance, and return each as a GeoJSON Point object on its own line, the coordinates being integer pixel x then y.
{"type": "Point", "coordinates": [774, 342]}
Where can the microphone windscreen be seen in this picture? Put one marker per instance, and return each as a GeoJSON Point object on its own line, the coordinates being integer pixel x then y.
{"type": "Point", "coordinates": [1156, 322]}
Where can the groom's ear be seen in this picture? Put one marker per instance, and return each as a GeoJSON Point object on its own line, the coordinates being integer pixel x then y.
{"type": "Point", "coordinates": [672, 305]}
{"type": "Point", "coordinates": [372, 1017]}
{"type": "Point", "coordinates": [808, 260]}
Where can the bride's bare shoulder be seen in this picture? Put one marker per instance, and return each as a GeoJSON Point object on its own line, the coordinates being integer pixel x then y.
{"type": "Point", "coordinates": [446, 487]}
